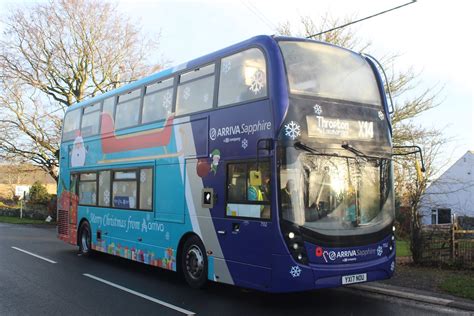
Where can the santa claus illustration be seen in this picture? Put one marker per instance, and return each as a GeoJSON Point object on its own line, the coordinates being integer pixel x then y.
{"type": "Point", "coordinates": [78, 154]}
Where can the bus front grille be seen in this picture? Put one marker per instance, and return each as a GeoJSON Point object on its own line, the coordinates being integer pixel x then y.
{"type": "Point", "coordinates": [63, 222]}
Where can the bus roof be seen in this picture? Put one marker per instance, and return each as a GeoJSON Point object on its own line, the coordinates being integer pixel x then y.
{"type": "Point", "coordinates": [261, 40]}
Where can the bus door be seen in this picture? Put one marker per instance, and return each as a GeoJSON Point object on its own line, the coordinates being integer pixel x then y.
{"type": "Point", "coordinates": [246, 230]}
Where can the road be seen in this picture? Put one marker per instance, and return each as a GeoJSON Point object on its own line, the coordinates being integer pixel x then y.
{"type": "Point", "coordinates": [105, 285]}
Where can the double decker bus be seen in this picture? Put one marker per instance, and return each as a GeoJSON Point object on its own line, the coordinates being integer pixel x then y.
{"type": "Point", "coordinates": [265, 165]}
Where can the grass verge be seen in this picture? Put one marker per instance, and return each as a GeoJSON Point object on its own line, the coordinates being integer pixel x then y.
{"type": "Point", "coordinates": [17, 220]}
{"type": "Point", "coordinates": [462, 286]}
{"type": "Point", "coordinates": [403, 248]}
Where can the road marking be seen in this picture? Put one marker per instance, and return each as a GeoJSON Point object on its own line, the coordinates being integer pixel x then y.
{"type": "Point", "coordinates": [34, 255]}
{"type": "Point", "coordinates": [176, 308]}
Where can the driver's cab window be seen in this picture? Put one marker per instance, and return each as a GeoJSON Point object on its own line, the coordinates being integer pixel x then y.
{"type": "Point", "coordinates": [248, 190]}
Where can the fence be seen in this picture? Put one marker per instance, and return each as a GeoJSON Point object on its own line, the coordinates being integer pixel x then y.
{"type": "Point", "coordinates": [447, 244]}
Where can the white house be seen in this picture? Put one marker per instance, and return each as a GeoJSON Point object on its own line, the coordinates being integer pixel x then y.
{"type": "Point", "coordinates": [452, 194]}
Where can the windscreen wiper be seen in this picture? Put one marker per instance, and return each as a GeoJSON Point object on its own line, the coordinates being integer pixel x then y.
{"type": "Point", "coordinates": [300, 145]}
{"type": "Point", "coordinates": [359, 153]}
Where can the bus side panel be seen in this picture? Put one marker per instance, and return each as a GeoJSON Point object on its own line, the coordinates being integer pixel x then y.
{"type": "Point", "coordinates": [169, 193]}
{"type": "Point", "coordinates": [191, 142]}
{"type": "Point", "coordinates": [203, 224]}
{"type": "Point", "coordinates": [233, 135]}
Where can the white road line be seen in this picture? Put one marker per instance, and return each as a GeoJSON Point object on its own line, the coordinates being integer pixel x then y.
{"type": "Point", "coordinates": [176, 308]}
{"type": "Point", "coordinates": [34, 255]}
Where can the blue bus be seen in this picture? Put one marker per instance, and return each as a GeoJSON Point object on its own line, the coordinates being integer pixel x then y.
{"type": "Point", "coordinates": [265, 165]}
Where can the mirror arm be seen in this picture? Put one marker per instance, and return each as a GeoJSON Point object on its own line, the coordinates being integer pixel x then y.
{"type": "Point", "coordinates": [416, 151]}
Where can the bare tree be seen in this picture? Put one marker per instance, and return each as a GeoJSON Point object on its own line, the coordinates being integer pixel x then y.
{"type": "Point", "coordinates": [58, 53]}
{"type": "Point", "coordinates": [409, 186]}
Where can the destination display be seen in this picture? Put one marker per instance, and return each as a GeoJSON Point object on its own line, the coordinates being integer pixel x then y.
{"type": "Point", "coordinates": [325, 127]}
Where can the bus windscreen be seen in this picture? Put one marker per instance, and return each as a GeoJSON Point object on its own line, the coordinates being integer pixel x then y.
{"type": "Point", "coordinates": [323, 70]}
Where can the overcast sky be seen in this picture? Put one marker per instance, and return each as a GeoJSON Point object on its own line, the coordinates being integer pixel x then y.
{"type": "Point", "coordinates": [432, 36]}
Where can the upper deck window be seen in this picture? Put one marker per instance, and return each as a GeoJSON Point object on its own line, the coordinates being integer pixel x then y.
{"type": "Point", "coordinates": [108, 106]}
{"type": "Point", "coordinates": [243, 77]}
{"type": "Point", "coordinates": [326, 71]}
{"type": "Point", "coordinates": [196, 90]}
{"type": "Point", "coordinates": [90, 120]}
{"type": "Point", "coordinates": [71, 124]}
{"type": "Point", "coordinates": [158, 101]}
{"type": "Point", "coordinates": [128, 110]}
{"type": "Point", "coordinates": [197, 73]}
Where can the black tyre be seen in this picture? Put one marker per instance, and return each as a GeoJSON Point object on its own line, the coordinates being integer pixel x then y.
{"type": "Point", "coordinates": [85, 239]}
{"type": "Point", "coordinates": [194, 262]}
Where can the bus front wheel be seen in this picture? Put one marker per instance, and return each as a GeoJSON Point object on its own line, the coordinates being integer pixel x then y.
{"type": "Point", "coordinates": [194, 262]}
{"type": "Point", "coordinates": [85, 239]}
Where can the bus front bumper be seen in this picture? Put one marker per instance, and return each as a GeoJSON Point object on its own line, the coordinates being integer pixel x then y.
{"type": "Point", "coordinates": [290, 276]}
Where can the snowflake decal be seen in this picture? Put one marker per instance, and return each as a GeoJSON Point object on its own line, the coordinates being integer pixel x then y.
{"type": "Point", "coordinates": [226, 66]}
{"type": "Point", "coordinates": [115, 188]}
{"type": "Point", "coordinates": [317, 109]}
{"type": "Point", "coordinates": [131, 201]}
{"type": "Point", "coordinates": [258, 82]}
{"type": "Point", "coordinates": [101, 179]}
{"type": "Point", "coordinates": [166, 101]}
{"type": "Point", "coordinates": [295, 271]}
{"type": "Point", "coordinates": [381, 116]}
{"type": "Point", "coordinates": [392, 266]}
{"type": "Point", "coordinates": [187, 93]}
{"type": "Point", "coordinates": [292, 130]}
{"type": "Point", "coordinates": [142, 176]}
{"type": "Point", "coordinates": [106, 197]}
{"type": "Point", "coordinates": [148, 201]}
{"type": "Point", "coordinates": [245, 143]}
{"type": "Point", "coordinates": [93, 197]}
{"type": "Point", "coordinates": [205, 97]}
{"type": "Point", "coordinates": [379, 251]}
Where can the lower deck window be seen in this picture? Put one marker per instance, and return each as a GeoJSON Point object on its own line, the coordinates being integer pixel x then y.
{"type": "Point", "coordinates": [245, 197]}
{"type": "Point", "coordinates": [124, 189]}
{"type": "Point", "coordinates": [88, 189]}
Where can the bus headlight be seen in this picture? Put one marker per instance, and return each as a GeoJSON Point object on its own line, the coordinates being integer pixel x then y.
{"type": "Point", "coordinates": [294, 242]}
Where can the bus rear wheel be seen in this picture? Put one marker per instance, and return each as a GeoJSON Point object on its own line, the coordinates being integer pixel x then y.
{"type": "Point", "coordinates": [194, 262]}
{"type": "Point", "coordinates": [85, 239]}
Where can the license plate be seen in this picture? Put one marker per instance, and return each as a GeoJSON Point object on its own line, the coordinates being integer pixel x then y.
{"type": "Point", "coordinates": [355, 278]}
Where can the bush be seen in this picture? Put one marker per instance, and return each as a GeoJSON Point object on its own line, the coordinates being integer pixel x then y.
{"type": "Point", "coordinates": [38, 194]}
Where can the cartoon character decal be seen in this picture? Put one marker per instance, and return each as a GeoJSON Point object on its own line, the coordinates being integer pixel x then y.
{"type": "Point", "coordinates": [78, 153]}
{"type": "Point", "coordinates": [215, 156]}
{"type": "Point", "coordinates": [203, 168]}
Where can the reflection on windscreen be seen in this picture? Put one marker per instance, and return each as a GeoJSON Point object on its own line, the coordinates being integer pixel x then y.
{"type": "Point", "coordinates": [327, 71]}
{"type": "Point", "coordinates": [335, 193]}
